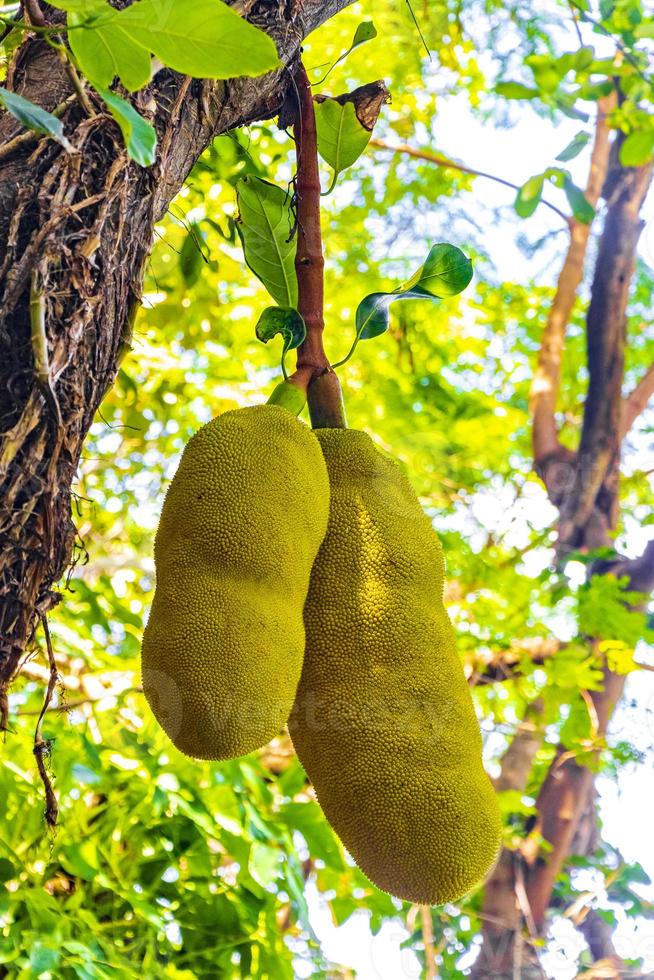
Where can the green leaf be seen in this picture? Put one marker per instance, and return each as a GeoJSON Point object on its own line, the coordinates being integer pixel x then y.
{"type": "Point", "coordinates": [203, 38]}
{"type": "Point", "coordinates": [343, 908]}
{"type": "Point", "coordinates": [81, 860]}
{"type": "Point", "coordinates": [604, 611]}
{"type": "Point", "coordinates": [341, 137]}
{"type": "Point", "coordinates": [7, 870]}
{"type": "Point", "coordinates": [582, 209]}
{"type": "Point", "coordinates": [592, 91]}
{"type": "Point", "coordinates": [529, 195]}
{"type": "Point", "coordinates": [574, 147]}
{"type": "Point", "coordinates": [105, 51]}
{"type": "Point", "coordinates": [446, 272]}
{"type": "Point", "coordinates": [365, 31]}
{"type": "Point", "coordinates": [281, 320]}
{"type": "Point", "coordinates": [637, 148]}
{"type": "Point", "coordinates": [191, 257]}
{"type": "Point", "coordinates": [93, 10]}
{"type": "Point", "coordinates": [515, 90]}
{"type": "Point", "coordinates": [566, 104]}
{"type": "Point", "coordinates": [584, 57]}
{"type": "Point", "coordinates": [264, 224]}
{"type": "Point", "coordinates": [43, 958]}
{"type": "Point", "coordinates": [140, 137]}
{"type": "Point", "coordinates": [546, 71]}
{"type": "Point", "coordinates": [287, 322]}
{"type": "Point", "coordinates": [34, 117]}
{"type": "Point", "coordinates": [264, 864]}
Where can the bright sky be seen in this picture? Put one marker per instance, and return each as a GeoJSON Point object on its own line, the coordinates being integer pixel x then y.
{"type": "Point", "coordinates": [516, 154]}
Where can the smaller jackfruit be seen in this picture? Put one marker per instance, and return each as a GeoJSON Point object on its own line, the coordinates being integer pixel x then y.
{"type": "Point", "coordinates": [241, 525]}
{"type": "Point", "coordinates": [383, 720]}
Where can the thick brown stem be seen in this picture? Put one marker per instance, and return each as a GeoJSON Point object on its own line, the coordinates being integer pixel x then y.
{"type": "Point", "coordinates": [309, 260]}
{"type": "Point", "coordinates": [313, 369]}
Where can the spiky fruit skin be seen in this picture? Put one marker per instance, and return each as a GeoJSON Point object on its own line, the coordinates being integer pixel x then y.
{"type": "Point", "coordinates": [383, 720]}
{"type": "Point", "coordinates": [241, 525]}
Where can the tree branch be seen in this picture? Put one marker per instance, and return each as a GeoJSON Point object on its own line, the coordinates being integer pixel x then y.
{"type": "Point", "coordinates": [599, 447]}
{"type": "Point", "coordinates": [545, 386]}
{"type": "Point", "coordinates": [636, 401]}
{"type": "Point", "coordinates": [599, 936]}
{"type": "Point", "coordinates": [502, 951]}
{"type": "Point", "coordinates": [639, 571]}
{"type": "Point", "coordinates": [443, 161]}
{"type": "Point", "coordinates": [561, 804]}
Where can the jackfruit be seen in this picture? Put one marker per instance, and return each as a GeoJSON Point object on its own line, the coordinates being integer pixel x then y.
{"type": "Point", "coordinates": [241, 526]}
{"type": "Point", "coordinates": [383, 720]}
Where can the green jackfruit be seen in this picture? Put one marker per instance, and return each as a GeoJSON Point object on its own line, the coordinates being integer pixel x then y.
{"type": "Point", "coordinates": [241, 526]}
{"type": "Point", "coordinates": [383, 720]}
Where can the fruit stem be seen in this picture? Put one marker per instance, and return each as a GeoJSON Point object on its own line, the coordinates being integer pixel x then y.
{"type": "Point", "coordinates": [326, 405]}
{"type": "Point", "coordinates": [289, 396]}
{"type": "Point", "coordinates": [313, 369]}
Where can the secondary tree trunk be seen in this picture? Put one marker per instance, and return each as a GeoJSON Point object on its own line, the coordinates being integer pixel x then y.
{"type": "Point", "coordinates": [75, 231]}
{"type": "Point", "coordinates": [584, 487]}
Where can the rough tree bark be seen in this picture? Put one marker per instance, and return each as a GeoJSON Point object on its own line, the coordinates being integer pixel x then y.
{"type": "Point", "coordinates": [584, 487]}
{"type": "Point", "coordinates": [75, 232]}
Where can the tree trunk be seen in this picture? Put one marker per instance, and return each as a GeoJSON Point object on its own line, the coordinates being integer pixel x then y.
{"type": "Point", "coordinates": [75, 232]}
{"type": "Point", "coordinates": [584, 486]}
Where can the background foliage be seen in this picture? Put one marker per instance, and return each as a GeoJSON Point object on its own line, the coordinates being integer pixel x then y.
{"type": "Point", "coordinates": [167, 867]}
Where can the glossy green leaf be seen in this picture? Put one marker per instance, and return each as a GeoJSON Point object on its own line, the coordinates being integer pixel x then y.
{"type": "Point", "coordinates": [265, 225]}
{"type": "Point", "coordinates": [33, 116]}
{"type": "Point", "coordinates": [105, 51]}
{"type": "Point", "coordinates": [341, 137]}
{"type": "Point", "coordinates": [140, 137]}
{"type": "Point", "coordinates": [203, 38]}
{"type": "Point", "coordinates": [446, 272]}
